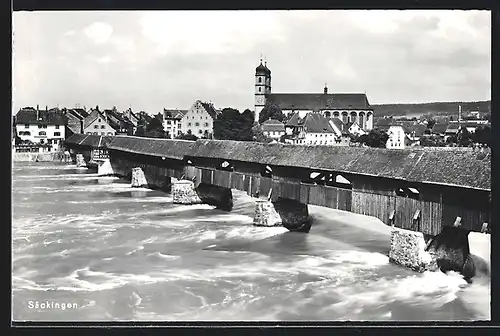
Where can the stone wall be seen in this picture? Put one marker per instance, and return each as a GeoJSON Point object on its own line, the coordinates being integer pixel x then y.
{"type": "Point", "coordinates": [41, 157]}
{"type": "Point", "coordinates": [265, 214]}
{"type": "Point", "coordinates": [183, 192]}
{"type": "Point", "coordinates": [408, 249]}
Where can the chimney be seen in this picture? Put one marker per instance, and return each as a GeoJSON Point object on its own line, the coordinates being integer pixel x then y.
{"type": "Point", "coordinates": [325, 90]}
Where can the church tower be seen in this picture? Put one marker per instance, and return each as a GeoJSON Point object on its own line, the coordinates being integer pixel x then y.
{"type": "Point", "coordinates": [262, 87]}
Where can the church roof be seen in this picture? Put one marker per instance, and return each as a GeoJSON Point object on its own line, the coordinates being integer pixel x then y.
{"type": "Point", "coordinates": [319, 101]}
{"type": "Point", "coordinates": [261, 69]}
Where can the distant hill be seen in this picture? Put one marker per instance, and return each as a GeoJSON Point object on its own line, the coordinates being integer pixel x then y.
{"type": "Point", "coordinates": [442, 108]}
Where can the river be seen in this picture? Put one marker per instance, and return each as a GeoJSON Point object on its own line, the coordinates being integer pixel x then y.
{"type": "Point", "coordinates": [89, 248]}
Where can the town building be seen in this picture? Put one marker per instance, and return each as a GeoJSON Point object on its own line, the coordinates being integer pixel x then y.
{"type": "Point", "coordinates": [397, 137]}
{"type": "Point", "coordinates": [131, 116]}
{"type": "Point", "coordinates": [349, 107]}
{"type": "Point", "coordinates": [74, 120]}
{"type": "Point", "coordinates": [41, 126]}
{"type": "Point", "coordinates": [197, 120]}
{"type": "Point", "coordinates": [172, 124]}
{"type": "Point", "coordinates": [342, 135]}
{"type": "Point", "coordinates": [354, 129]}
{"type": "Point", "coordinates": [313, 129]}
{"type": "Point", "coordinates": [119, 122]}
{"type": "Point", "coordinates": [273, 129]}
{"type": "Point", "coordinates": [97, 123]}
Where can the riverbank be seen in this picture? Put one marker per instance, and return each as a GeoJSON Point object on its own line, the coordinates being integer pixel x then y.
{"type": "Point", "coordinates": [38, 157]}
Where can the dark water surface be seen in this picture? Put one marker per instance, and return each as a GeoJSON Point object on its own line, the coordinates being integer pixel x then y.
{"type": "Point", "coordinates": [117, 253]}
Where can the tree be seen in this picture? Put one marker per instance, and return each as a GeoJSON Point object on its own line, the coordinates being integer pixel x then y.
{"type": "Point", "coordinates": [464, 137]}
{"type": "Point", "coordinates": [431, 123]}
{"type": "Point", "coordinates": [431, 141]}
{"type": "Point", "coordinates": [187, 136]}
{"type": "Point", "coordinates": [233, 125]}
{"type": "Point", "coordinates": [482, 135]}
{"type": "Point", "coordinates": [271, 111]}
{"type": "Point", "coordinates": [154, 129]}
{"type": "Point", "coordinates": [259, 136]}
{"type": "Point", "coordinates": [375, 138]}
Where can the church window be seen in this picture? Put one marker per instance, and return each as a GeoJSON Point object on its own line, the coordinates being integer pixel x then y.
{"type": "Point", "coordinates": [260, 81]}
{"type": "Point", "coordinates": [259, 90]}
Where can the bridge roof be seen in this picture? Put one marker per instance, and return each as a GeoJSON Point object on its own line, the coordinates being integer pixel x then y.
{"type": "Point", "coordinates": [172, 149]}
{"type": "Point", "coordinates": [88, 140]}
{"type": "Point", "coordinates": [455, 167]}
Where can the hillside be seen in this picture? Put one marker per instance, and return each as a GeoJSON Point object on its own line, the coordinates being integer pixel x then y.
{"type": "Point", "coordinates": [442, 108]}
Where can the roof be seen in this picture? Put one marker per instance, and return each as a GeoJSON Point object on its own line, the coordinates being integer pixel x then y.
{"type": "Point", "coordinates": [417, 130]}
{"type": "Point", "coordinates": [261, 68]}
{"type": "Point", "coordinates": [173, 114]}
{"type": "Point", "coordinates": [344, 129]}
{"type": "Point", "coordinates": [29, 116]}
{"type": "Point", "coordinates": [82, 112]}
{"type": "Point", "coordinates": [385, 122]}
{"type": "Point", "coordinates": [439, 128]}
{"type": "Point", "coordinates": [87, 140]}
{"type": "Point", "coordinates": [172, 149]}
{"type": "Point", "coordinates": [273, 125]}
{"type": "Point", "coordinates": [317, 123]}
{"type": "Point", "coordinates": [469, 169]}
{"type": "Point", "coordinates": [319, 101]}
{"type": "Point", "coordinates": [117, 120]}
{"type": "Point", "coordinates": [94, 114]}
{"type": "Point", "coordinates": [295, 120]}
{"type": "Point", "coordinates": [210, 110]}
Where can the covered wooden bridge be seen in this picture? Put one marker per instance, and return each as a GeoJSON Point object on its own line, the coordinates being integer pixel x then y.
{"type": "Point", "coordinates": [416, 189]}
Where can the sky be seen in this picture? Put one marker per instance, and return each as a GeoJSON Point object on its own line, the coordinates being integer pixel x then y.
{"type": "Point", "coordinates": [150, 60]}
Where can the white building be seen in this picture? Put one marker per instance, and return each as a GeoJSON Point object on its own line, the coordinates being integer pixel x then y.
{"type": "Point", "coordinates": [97, 124]}
{"type": "Point", "coordinates": [172, 124]}
{"type": "Point", "coordinates": [313, 129]}
{"type": "Point", "coordinates": [349, 107]}
{"type": "Point", "coordinates": [198, 120]}
{"type": "Point", "coordinates": [355, 129]}
{"type": "Point", "coordinates": [397, 137]}
{"type": "Point", "coordinates": [273, 129]}
{"type": "Point", "coordinates": [41, 126]}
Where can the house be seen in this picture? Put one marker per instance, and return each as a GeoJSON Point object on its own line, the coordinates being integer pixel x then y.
{"type": "Point", "coordinates": [397, 137]}
{"type": "Point", "coordinates": [199, 120]}
{"type": "Point", "coordinates": [342, 135]}
{"type": "Point", "coordinates": [383, 124]}
{"type": "Point", "coordinates": [131, 116]}
{"type": "Point", "coordinates": [41, 126]}
{"type": "Point", "coordinates": [74, 121]}
{"type": "Point", "coordinates": [172, 122]}
{"type": "Point", "coordinates": [354, 129]}
{"type": "Point", "coordinates": [313, 129]}
{"type": "Point", "coordinates": [439, 129]}
{"type": "Point", "coordinates": [415, 132]}
{"type": "Point", "coordinates": [349, 107]}
{"type": "Point", "coordinates": [119, 122]}
{"type": "Point", "coordinates": [97, 123]}
{"type": "Point", "coordinates": [273, 129]}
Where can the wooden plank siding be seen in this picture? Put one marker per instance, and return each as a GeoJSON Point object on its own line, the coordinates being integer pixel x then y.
{"type": "Point", "coordinates": [371, 204]}
{"type": "Point", "coordinates": [472, 206]}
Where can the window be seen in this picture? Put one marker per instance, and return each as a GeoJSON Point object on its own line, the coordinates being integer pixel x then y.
{"type": "Point", "coordinates": [57, 133]}
{"type": "Point", "coordinates": [189, 124]}
{"type": "Point", "coordinates": [168, 122]}
{"type": "Point", "coordinates": [103, 127]}
{"type": "Point", "coordinates": [57, 126]}
{"type": "Point", "coordinates": [42, 133]}
{"type": "Point", "coordinates": [197, 124]}
{"type": "Point", "coordinates": [179, 132]}
{"type": "Point", "coordinates": [259, 89]}
{"type": "Point", "coordinates": [39, 126]}
{"type": "Point", "coordinates": [96, 126]}
{"type": "Point", "coordinates": [206, 124]}
{"type": "Point", "coordinates": [44, 126]}
{"type": "Point", "coordinates": [260, 80]}
{"type": "Point", "coordinates": [200, 131]}
{"type": "Point", "coordinates": [99, 120]}
{"type": "Point", "coordinates": [42, 141]}
{"type": "Point", "coordinates": [26, 126]}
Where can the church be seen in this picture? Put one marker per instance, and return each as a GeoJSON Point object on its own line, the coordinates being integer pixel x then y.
{"type": "Point", "coordinates": [348, 107]}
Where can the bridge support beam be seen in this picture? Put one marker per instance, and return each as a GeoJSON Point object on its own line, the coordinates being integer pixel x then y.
{"type": "Point", "coordinates": [183, 192]}
{"type": "Point", "coordinates": [104, 168]}
{"type": "Point", "coordinates": [448, 251]}
{"type": "Point", "coordinates": [294, 214]}
{"type": "Point", "coordinates": [265, 214]}
{"type": "Point", "coordinates": [80, 160]}
{"type": "Point", "coordinates": [138, 178]}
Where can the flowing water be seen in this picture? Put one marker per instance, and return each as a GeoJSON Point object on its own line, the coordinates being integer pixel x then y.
{"type": "Point", "coordinates": [93, 248]}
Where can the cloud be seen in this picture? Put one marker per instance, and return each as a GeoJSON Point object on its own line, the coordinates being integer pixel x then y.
{"type": "Point", "coordinates": [99, 32]}
{"type": "Point", "coordinates": [170, 59]}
